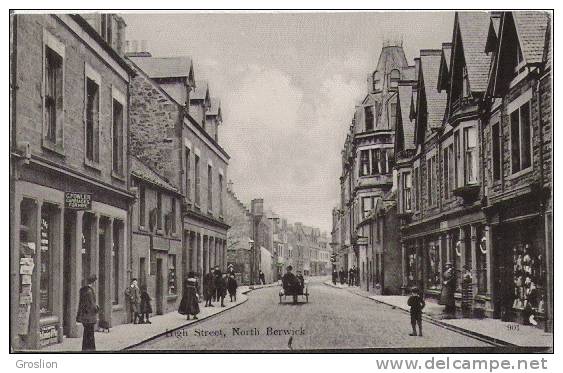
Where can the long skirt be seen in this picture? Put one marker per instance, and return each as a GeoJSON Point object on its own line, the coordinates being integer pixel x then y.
{"type": "Point", "coordinates": [189, 304]}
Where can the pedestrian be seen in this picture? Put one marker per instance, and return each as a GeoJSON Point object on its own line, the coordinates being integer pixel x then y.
{"type": "Point", "coordinates": [351, 276]}
{"type": "Point", "coordinates": [208, 288]}
{"type": "Point", "coordinates": [448, 290]}
{"type": "Point", "coordinates": [145, 308]}
{"type": "Point", "coordinates": [216, 272]}
{"type": "Point", "coordinates": [466, 291]}
{"type": "Point", "coordinates": [189, 304]}
{"type": "Point", "coordinates": [301, 281]}
{"type": "Point", "coordinates": [133, 296]}
{"type": "Point", "coordinates": [230, 270]}
{"type": "Point", "coordinates": [220, 287]}
{"type": "Point", "coordinates": [87, 314]}
{"type": "Point", "coordinates": [232, 287]}
{"type": "Point", "coordinates": [341, 276]}
{"type": "Point", "coordinates": [290, 283]}
{"type": "Point", "coordinates": [334, 276]}
{"type": "Point", "coordinates": [416, 304]}
{"type": "Point", "coordinates": [262, 277]}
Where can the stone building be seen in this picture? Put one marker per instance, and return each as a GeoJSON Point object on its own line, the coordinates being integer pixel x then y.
{"type": "Point", "coordinates": [69, 174]}
{"type": "Point", "coordinates": [239, 241]}
{"type": "Point", "coordinates": [168, 133]}
{"type": "Point", "coordinates": [156, 237]}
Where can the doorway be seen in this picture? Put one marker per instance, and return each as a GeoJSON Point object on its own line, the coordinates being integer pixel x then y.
{"type": "Point", "coordinates": [158, 292]}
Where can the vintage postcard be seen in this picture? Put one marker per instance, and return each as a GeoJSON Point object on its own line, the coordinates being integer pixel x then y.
{"type": "Point", "coordinates": [290, 181]}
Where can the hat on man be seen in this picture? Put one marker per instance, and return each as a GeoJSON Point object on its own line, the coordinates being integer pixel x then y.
{"type": "Point", "coordinates": [92, 278]}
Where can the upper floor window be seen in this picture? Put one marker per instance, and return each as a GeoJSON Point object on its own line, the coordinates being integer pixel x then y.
{"type": "Point", "coordinates": [446, 171]}
{"type": "Point", "coordinates": [392, 115]}
{"type": "Point", "coordinates": [496, 151]}
{"type": "Point", "coordinates": [173, 215]}
{"type": "Point", "coordinates": [159, 210]}
{"type": "Point", "coordinates": [466, 92]}
{"type": "Point", "coordinates": [117, 137]}
{"type": "Point", "coordinates": [367, 206]}
{"type": "Point", "coordinates": [394, 78]}
{"type": "Point", "coordinates": [520, 64]}
{"type": "Point", "coordinates": [107, 28]}
{"type": "Point", "coordinates": [53, 97]}
{"type": "Point", "coordinates": [457, 158]}
{"type": "Point", "coordinates": [197, 179]}
{"type": "Point", "coordinates": [142, 205]}
{"type": "Point", "coordinates": [92, 115]}
{"type": "Point", "coordinates": [220, 195]}
{"type": "Point", "coordinates": [520, 138]}
{"type": "Point", "coordinates": [187, 171]}
{"type": "Point", "coordinates": [407, 185]}
{"type": "Point", "coordinates": [470, 153]}
{"type": "Point", "coordinates": [369, 118]}
{"type": "Point", "coordinates": [430, 180]}
{"type": "Point", "coordinates": [209, 188]}
{"type": "Point", "coordinates": [416, 188]}
{"type": "Point", "coordinates": [364, 162]}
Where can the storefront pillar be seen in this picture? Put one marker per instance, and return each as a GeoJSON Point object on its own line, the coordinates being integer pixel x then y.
{"type": "Point", "coordinates": [419, 276]}
{"type": "Point", "coordinates": [449, 247]}
{"type": "Point", "coordinates": [94, 251]}
{"type": "Point", "coordinates": [107, 270]}
{"type": "Point", "coordinates": [403, 267]}
{"type": "Point", "coordinates": [461, 250]}
{"type": "Point", "coordinates": [441, 259]}
{"type": "Point", "coordinates": [474, 270]}
{"type": "Point", "coordinates": [75, 330]}
{"type": "Point", "coordinates": [34, 314]}
{"type": "Point", "coordinates": [489, 258]}
{"type": "Point", "coordinates": [57, 269]}
{"type": "Point", "coordinates": [15, 268]}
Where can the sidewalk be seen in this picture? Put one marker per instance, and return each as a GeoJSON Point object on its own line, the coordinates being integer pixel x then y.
{"type": "Point", "coordinates": [127, 335]}
{"type": "Point", "coordinates": [493, 330]}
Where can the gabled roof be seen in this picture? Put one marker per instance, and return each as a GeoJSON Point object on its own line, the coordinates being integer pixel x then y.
{"type": "Point", "coordinates": [444, 74]}
{"type": "Point", "coordinates": [214, 108]}
{"type": "Point", "coordinates": [144, 172]}
{"type": "Point", "coordinates": [473, 28]}
{"type": "Point", "coordinates": [531, 28]}
{"type": "Point", "coordinates": [165, 67]}
{"type": "Point", "coordinates": [493, 33]}
{"type": "Point", "coordinates": [201, 91]}
{"type": "Point", "coordinates": [405, 131]}
{"type": "Point", "coordinates": [435, 101]}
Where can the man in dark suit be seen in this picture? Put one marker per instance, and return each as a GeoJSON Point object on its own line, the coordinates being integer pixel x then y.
{"type": "Point", "coordinates": [290, 283]}
{"type": "Point", "coordinates": [208, 288]}
{"type": "Point", "coordinates": [88, 314]}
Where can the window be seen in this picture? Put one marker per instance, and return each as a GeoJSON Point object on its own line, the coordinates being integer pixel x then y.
{"type": "Point", "coordinates": [220, 195]}
{"type": "Point", "coordinates": [407, 185]}
{"type": "Point", "coordinates": [187, 170]}
{"type": "Point", "coordinates": [209, 188]}
{"type": "Point", "coordinates": [520, 64]}
{"type": "Point", "coordinates": [470, 149]}
{"type": "Point", "coordinates": [394, 78]}
{"type": "Point", "coordinates": [106, 29]}
{"type": "Point", "coordinates": [520, 138]}
{"type": "Point", "coordinates": [429, 190]}
{"type": "Point", "coordinates": [446, 170]}
{"type": "Point", "coordinates": [392, 115]}
{"type": "Point", "coordinates": [375, 161]}
{"type": "Point", "coordinates": [369, 118]}
{"type": "Point", "coordinates": [53, 98]}
{"type": "Point", "coordinates": [117, 134]}
{"type": "Point", "coordinates": [433, 267]}
{"type": "Point", "coordinates": [172, 288]}
{"type": "Point", "coordinates": [466, 92]}
{"type": "Point", "coordinates": [416, 189]}
{"type": "Point", "coordinates": [383, 161]}
{"type": "Point", "coordinates": [142, 205]}
{"type": "Point", "coordinates": [496, 156]}
{"type": "Point", "coordinates": [457, 157]}
{"type": "Point", "coordinates": [92, 120]}
{"type": "Point", "coordinates": [367, 206]}
{"type": "Point", "coordinates": [173, 215]}
{"type": "Point", "coordinates": [451, 170]}
{"type": "Point", "coordinates": [46, 270]}
{"type": "Point", "coordinates": [197, 179]}
{"type": "Point", "coordinates": [159, 210]}
{"type": "Point", "coordinates": [364, 162]}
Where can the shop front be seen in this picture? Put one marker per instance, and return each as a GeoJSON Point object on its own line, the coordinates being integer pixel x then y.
{"type": "Point", "coordinates": [60, 238]}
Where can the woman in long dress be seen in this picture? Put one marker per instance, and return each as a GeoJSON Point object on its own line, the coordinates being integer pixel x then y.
{"type": "Point", "coordinates": [189, 305]}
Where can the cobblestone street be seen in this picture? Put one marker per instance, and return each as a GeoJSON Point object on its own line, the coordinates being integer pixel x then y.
{"type": "Point", "coordinates": [332, 319]}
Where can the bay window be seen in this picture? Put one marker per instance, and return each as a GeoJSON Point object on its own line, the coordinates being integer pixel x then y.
{"type": "Point", "coordinates": [364, 162]}
{"type": "Point", "coordinates": [470, 153]}
{"type": "Point", "coordinates": [407, 184]}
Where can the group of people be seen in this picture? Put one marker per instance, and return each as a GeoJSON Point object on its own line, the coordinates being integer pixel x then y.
{"type": "Point", "coordinates": [215, 287]}
{"type": "Point", "coordinates": [351, 276]}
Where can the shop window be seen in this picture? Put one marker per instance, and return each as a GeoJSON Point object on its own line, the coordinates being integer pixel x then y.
{"type": "Point", "coordinates": [172, 289]}
{"type": "Point", "coordinates": [27, 254]}
{"type": "Point", "coordinates": [92, 120]}
{"type": "Point", "coordinates": [53, 97]}
{"type": "Point", "coordinates": [528, 277]}
{"type": "Point", "coordinates": [433, 267]}
{"type": "Point", "coordinates": [46, 270]}
{"type": "Point", "coordinates": [411, 267]}
{"type": "Point", "coordinates": [481, 264]}
{"type": "Point", "coordinates": [364, 162]}
{"type": "Point", "coordinates": [520, 138]}
{"type": "Point", "coordinates": [496, 151]}
{"type": "Point", "coordinates": [471, 158]}
{"type": "Point", "coordinates": [117, 133]}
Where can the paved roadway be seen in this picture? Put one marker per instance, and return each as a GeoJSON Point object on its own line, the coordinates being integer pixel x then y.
{"type": "Point", "coordinates": [333, 319]}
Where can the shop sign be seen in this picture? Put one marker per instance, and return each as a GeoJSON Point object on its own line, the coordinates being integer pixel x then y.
{"type": "Point", "coordinates": [78, 201]}
{"type": "Point", "coordinates": [48, 334]}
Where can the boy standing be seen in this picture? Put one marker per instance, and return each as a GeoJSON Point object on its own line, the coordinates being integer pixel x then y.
{"type": "Point", "coordinates": [416, 303]}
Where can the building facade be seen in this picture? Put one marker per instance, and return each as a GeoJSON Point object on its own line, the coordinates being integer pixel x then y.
{"type": "Point", "coordinates": [69, 173]}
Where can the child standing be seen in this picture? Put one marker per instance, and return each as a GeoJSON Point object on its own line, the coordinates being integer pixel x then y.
{"type": "Point", "coordinates": [416, 303]}
{"type": "Point", "coordinates": [145, 307]}
{"type": "Point", "coordinates": [232, 287]}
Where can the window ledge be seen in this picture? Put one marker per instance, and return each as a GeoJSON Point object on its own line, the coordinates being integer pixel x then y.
{"type": "Point", "coordinates": [94, 165]}
{"type": "Point", "coordinates": [52, 147]}
{"type": "Point", "coordinates": [469, 192]}
{"type": "Point", "coordinates": [520, 173]}
{"type": "Point", "coordinates": [117, 175]}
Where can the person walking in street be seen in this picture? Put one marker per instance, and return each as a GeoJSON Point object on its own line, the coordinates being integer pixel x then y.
{"type": "Point", "coordinates": [145, 308]}
{"type": "Point", "coordinates": [334, 276]}
{"type": "Point", "coordinates": [466, 291]}
{"type": "Point", "coordinates": [87, 314]}
{"type": "Point", "coordinates": [262, 277]}
{"type": "Point", "coordinates": [232, 286]}
{"type": "Point", "coordinates": [230, 270]}
{"type": "Point", "coordinates": [341, 276]}
{"type": "Point", "coordinates": [416, 304]}
{"type": "Point", "coordinates": [208, 288]}
{"type": "Point", "coordinates": [133, 296]}
{"type": "Point", "coordinates": [216, 272]}
{"type": "Point", "coordinates": [351, 276]}
{"type": "Point", "coordinates": [448, 290]}
{"type": "Point", "coordinates": [220, 287]}
{"type": "Point", "coordinates": [189, 304]}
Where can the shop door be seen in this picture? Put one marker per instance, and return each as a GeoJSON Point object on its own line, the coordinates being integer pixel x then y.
{"type": "Point", "coordinates": [158, 293]}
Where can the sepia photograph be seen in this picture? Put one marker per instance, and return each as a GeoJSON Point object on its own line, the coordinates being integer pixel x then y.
{"type": "Point", "coordinates": [320, 181]}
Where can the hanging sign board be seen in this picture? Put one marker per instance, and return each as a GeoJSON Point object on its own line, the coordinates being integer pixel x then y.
{"type": "Point", "coordinates": [78, 201]}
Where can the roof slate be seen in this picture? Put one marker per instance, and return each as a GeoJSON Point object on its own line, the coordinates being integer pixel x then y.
{"type": "Point", "coordinates": [474, 28]}
{"type": "Point", "coordinates": [214, 108]}
{"type": "Point", "coordinates": [435, 101]}
{"type": "Point", "coordinates": [531, 27]}
{"type": "Point", "coordinates": [142, 171]}
{"type": "Point", "coordinates": [200, 90]}
{"type": "Point", "coordinates": [405, 94]}
{"type": "Point", "coordinates": [164, 67]}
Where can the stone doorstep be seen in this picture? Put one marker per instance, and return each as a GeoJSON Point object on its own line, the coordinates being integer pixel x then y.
{"type": "Point", "coordinates": [120, 337]}
{"type": "Point", "coordinates": [436, 317]}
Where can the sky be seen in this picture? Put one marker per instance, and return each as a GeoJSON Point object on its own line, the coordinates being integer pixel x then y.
{"type": "Point", "coordinates": [288, 84]}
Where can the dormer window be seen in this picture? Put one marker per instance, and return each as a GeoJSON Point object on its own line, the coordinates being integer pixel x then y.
{"type": "Point", "coordinates": [520, 63]}
{"type": "Point", "coordinates": [375, 81]}
{"type": "Point", "coordinates": [466, 92]}
{"type": "Point", "coordinates": [394, 78]}
{"type": "Point", "coordinates": [368, 110]}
